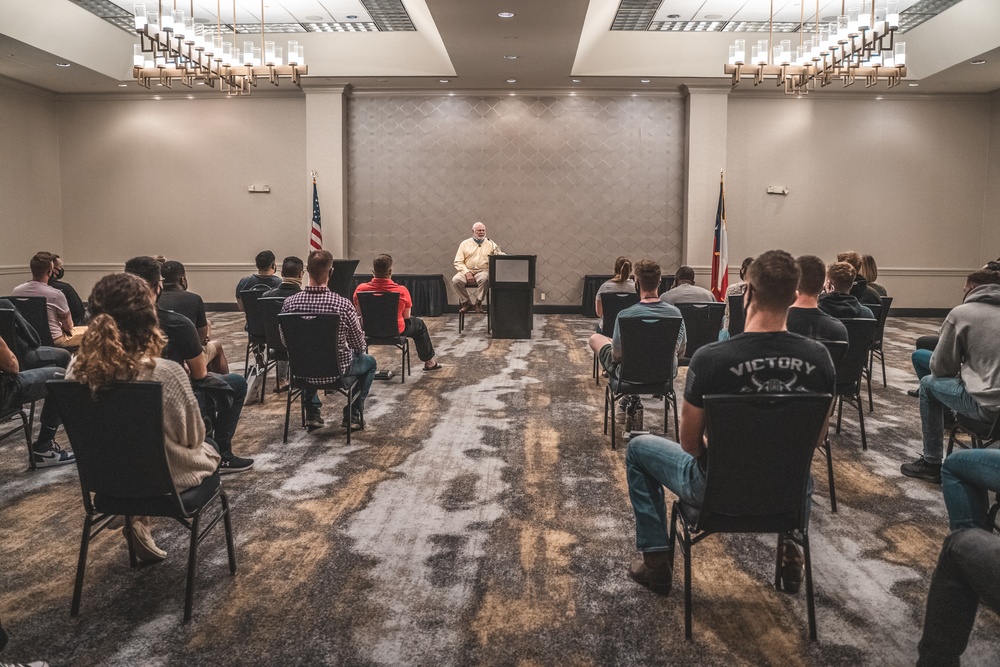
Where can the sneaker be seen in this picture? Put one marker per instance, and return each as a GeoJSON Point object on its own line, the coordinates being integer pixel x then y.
{"type": "Point", "coordinates": [921, 469]}
{"type": "Point", "coordinates": [232, 464]}
{"type": "Point", "coordinates": [654, 570]}
{"type": "Point", "coordinates": [314, 420]}
{"type": "Point", "coordinates": [637, 419]}
{"type": "Point", "coordinates": [49, 454]}
{"type": "Point", "coordinates": [913, 393]}
{"type": "Point", "coordinates": [356, 422]}
{"type": "Point", "coordinates": [620, 411]}
{"type": "Point", "coordinates": [37, 663]}
{"type": "Point", "coordinates": [792, 568]}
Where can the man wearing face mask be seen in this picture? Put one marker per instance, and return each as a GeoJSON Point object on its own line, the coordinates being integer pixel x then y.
{"type": "Point", "coordinates": [472, 261]}
{"type": "Point", "coordinates": [76, 307]}
{"type": "Point", "coordinates": [61, 328]}
{"type": "Point", "coordinates": [176, 297]}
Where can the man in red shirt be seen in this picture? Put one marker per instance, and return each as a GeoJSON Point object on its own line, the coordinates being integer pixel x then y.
{"type": "Point", "coordinates": [411, 327]}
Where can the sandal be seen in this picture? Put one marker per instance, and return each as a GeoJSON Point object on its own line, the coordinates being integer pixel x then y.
{"type": "Point", "coordinates": [435, 367]}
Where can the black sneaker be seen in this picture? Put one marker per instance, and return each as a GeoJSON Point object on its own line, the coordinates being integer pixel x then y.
{"type": "Point", "coordinates": [654, 570]}
{"type": "Point", "coordinates": [921, 469]}
{"type": "Point", "coordinates": [356, 422]}
{"type": "Point", "coordinates": [792, 568]}
{"type": "Point", "coordinates": [49, 454]}
{"type": "Point", "coordinates": [913, 393]}
{"type": "Point", "coordinates": [314, 419]}
{"type": "Point", "coordinates": [232, 464]}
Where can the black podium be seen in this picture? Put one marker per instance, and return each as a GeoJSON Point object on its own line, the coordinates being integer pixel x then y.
{"type": "Point", "coordinates": [512, 295]}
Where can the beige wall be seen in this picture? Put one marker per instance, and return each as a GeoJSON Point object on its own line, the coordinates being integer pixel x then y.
{"type": "Point", "coordinates": [30, 217]}
{"type": "Point", "coordinates": [990, 247]}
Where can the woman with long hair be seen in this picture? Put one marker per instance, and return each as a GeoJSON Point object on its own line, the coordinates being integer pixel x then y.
{"type": "Point", "coordinates": [123, 344]}
{"type": "Point", "coordinates": [620, 282]}
{"type": "Point", "coordinates": [869, 271]}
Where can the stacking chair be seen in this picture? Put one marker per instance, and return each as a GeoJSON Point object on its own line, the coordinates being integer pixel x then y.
{"type": "Point", "coordinates": [647, 366]}
{"type": "Point", "coordinates": [876, 348]}
{"type": "Point", "coordinates": [471, 284]}
{"type": "Point", "coordinates": [312, 341]}
{"type": "Point", "coordinates": [851, 369]}
{"type": "Point", "coordinates": [612, 303]}
{"type": "Point", "coordinates": [837, 350]}
{"type": "Point", "coordinates": [761, 448]}
{"type": "Point", "coordinates": [702, 322]}
{"type": "Point", "coordinates": [256, 337]}
{"type": "Point", "coordinates": [270, 307]}
{"type": "Point", "coordinates": [36, 311]}
{"type": "Point", "coordinates": [737, 318]}
{"type": "Point", "coordinates": [117, 436]}
{"type": "Point", "coordinates": [980, 434]}
{"type": "Point", "coordinates": [8, 332]}
{"type": "Point", "coordinates": [380, 319]}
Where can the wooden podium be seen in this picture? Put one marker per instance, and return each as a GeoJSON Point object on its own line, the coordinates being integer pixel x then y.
{"type": "Point", "coordinates": [512, 290]}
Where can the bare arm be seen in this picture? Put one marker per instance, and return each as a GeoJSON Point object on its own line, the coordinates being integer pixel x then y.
{"type": "Point", "coordinates": [693, 429]}
{"type": "Point", "coordinates": [197, 367]}
{"type": "Point", "coordinates": [203, 334]}
{"type": "Point", "coordinates": [597, 306]}
{"type": "Point", "coordinates": [8, 361]}
{"type": "Point", "coordinates": [406, 313]}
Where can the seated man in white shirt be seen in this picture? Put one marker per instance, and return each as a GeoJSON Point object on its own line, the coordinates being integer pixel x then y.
{"type": "Point", "coordinates": [472, 261]}
{"type": "Point", "coordinates": [64, 334]}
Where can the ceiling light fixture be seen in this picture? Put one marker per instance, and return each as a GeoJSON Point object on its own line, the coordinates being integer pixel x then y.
{"type": "Point", "coordinates": [510, 57]}
{"type": "Point", "coordinates": [123, 85]}
{"type": "Point", "coordinates": [174, 47]}
{"type": "Point", "coordinates": [506, 15]}
{"type": "Point", "coordinates": [914, 85]}
{"type": "Point", "coordinates": [643, 80]}
{"type": "Point", "coordinates": [67, 64]}
{"type": "Point", "coordinates": [859, 44]}
{"type": "Point", "coordinates": [974, 62]}
{"type": "Point", "coordinates": [511, 80]}
{"type": "Point", "coordinates": [444, 80]}
{"type": "Point", "coordinates": [577, 80]}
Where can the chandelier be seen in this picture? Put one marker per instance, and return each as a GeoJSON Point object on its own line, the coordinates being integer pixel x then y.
{"type": "Point", "coordinates": [860, 44]}
{"type": "Point", "coordinates": [172, 47]}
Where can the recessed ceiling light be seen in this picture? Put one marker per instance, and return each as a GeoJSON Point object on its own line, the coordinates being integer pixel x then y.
{"type": "Point", "coordinates": [978, 62]}
{"type": "Point", "coordinates": [572, 94]}
{"type": "Point", "coordinates": [444, 80]}
{"type": "Point", "coordinates": [451, 94]}
{"type": "Point", "coordinates": [914, 85]}
{"type": "Point", "coordinates": [712, 17]}
{"type": "Point", "coordinates": [156, 97]}
{"type": "Point", "coordinates": [643, 80]}
{"type": "Point", "coordinates": [352, 17]}
{"type": "Point", "coordinates": [878, 98]}
{"type": "Point", "coordinates": [199, 83]}
{"type": "Point", "coordinates": [382, 80]}
{"type": "Point", "coordinates": [314, 17]}
{"type": "Point", "coordinates": [159, 84]}
{"type": "Point", "coordinates": [506, 15]}
{"type": "Point", "coordinates": [123, 85]}
{"type": "Point", "coordinates": [577, 80]}
{"type": "Point", "coordinates": [62, 64]}
{"type": "Point", "coordinates": [512, 94]}
{"type": "Point", "coordinates": [190, 97]}
{"type": "Point", "coordinates": [510, 57]}
{"type": "Point", "coordinates": [673, 16]}
{"type": "Point", "coordinates": [511, 80]}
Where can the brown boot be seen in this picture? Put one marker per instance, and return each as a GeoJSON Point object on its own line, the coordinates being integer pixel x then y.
{"type": "Point", "coordinates": [465, 307]}
{"type": "Point", "coordinates": [792, 568]}
{"type": "Point", "coordinates": [479, 308]}
{"type": "Point", "coordinates": [654, 570]}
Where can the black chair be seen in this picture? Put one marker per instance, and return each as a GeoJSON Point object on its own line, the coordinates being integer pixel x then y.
{"type": "Point", "coordinates": [312, 341]}
{"type": "Point", "coordinates": [737, 318]}
{"type": "Point", "coordinates": [36, 311]}
{"type": "Point", "coordinates": [270, 308]}
{"type": "Point", "coordinates": [124, 471]}
{"type": "Point", "coordinates": [256, 337]}
{"type": "Point", "coordinates": [851, 369]}
{"type": "Point", "coordinates": [702, 322]}
{"type": "Point", "coordinates": [761, 446]}
{"type": "Point", "coordinates": [980, 434]}
{"type": "Point", "coordinates": [380, 320]}
{"type": "Point", "coordinates": [9, 334]}
{"type": "Point", "coordinates": [472, 284]}
{"type": "Point", "coordinates": [647, 367]}
{"type": "Point", "coordinates": [876, 348]}
{"type": "Point", "coordinates": [837, 350]}
{"type": "Point", "coordinates": [612, 303]}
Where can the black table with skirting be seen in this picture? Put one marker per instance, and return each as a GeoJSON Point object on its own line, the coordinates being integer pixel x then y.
{"type": "Point", "coordinates": [593, 282]}
{"type": "Point", "coordinates": [428, 291]}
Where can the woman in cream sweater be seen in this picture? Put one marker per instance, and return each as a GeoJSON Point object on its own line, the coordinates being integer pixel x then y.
{"type": "Point", "coordinates": [123, 344]}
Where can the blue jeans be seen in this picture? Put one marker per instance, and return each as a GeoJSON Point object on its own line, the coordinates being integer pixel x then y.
{"type": "Point", "coordinates": [965, 574]}
{"type": "Point", "coordinates": [936, 394]}
{"type": "Point", "coordinates": [33, 389]}
{"type": "Point", "coordinates": [966, 478]}
{"type": "Point", "coordinates": [652, 463]}
{"type": "Point", "coordinates": [921, 360]}
{"type": "Point", "coordinates": [227, 418]}
{"type": "Point", "coordinates": [362, 369]}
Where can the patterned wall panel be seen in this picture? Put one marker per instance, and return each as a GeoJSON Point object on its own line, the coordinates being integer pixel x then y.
{"type": "Point", "coordinates": [574, 180]}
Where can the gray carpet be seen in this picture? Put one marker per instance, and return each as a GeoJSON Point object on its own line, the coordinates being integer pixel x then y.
{"type": "Point", "coordinates": [481, 518]}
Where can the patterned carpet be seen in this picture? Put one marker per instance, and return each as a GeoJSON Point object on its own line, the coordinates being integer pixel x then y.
{"type": "Point", "coordinates": [481, 518]}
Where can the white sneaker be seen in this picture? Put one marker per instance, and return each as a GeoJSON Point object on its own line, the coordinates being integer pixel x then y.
{"type": "Point", "coordinates": [51, 455]}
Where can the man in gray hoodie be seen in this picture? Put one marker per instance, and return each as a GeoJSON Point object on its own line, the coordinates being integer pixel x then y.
{"type": "Point", "coordinates": [965, 370]}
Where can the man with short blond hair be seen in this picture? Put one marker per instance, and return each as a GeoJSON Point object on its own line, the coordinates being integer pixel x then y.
{"type": "Point", "coordinates": [838, 300]}
{"type": "Point", "coordinates": [860, 288]}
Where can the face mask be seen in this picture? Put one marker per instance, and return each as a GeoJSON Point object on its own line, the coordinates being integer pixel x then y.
{"type": "Point", "coordinates": [478, 241]}
{"type": "Point", "coordinates": [59, 273]}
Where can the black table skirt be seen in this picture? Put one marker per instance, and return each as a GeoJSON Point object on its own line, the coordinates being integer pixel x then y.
{"type": "Point", "coordinates": [428, 291]}
{"type": "Point", "coordinates": [593, 282]}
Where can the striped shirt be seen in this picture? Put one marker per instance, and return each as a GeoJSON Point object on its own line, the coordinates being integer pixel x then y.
{"type": "Point", "coordinates": [315, 299]}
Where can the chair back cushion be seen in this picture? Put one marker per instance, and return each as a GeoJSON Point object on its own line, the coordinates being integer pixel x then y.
{"type": "Point", "coordinates": [837, 350]}
{"type": "Point", "coordinates": [702, 322]}
{"type": "Point", "coordinates": [760, 447]}
{"type": "Point", "coordinates": [881, 317]}
{"type": "Point", "coordinates": [311, 341]}
{"type": "Point", "coordinates": [860, 333]}
{"type": "Point", "coordinates": [255, 320]}
{"type": "Point", "coordinates": [117, 436]}
{"type": "Point", "coordinates": [35, 310]}
{"type": "Point", "coordinates": [379, 313]}
{"type": "Point", "coordinates": [613, 303]}
{"type": "Point", "coordinates": [737, 318]}
{"type": "Point", "coordinates": [648, 349]}
{"type": "Point", "coordinates": [270, 308]}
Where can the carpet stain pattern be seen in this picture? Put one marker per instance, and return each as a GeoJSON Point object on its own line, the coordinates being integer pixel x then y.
{"type": "Point", "coordinates": [480, 518]}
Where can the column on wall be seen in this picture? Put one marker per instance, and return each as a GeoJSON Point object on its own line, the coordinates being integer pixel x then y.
{"type": "Point", "coordinates": [326, 120]}
{"type": "Point", "coordinates": [705, 156]}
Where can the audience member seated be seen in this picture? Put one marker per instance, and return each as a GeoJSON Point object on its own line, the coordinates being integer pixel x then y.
{"type": "Point", "coordinates": [221, 396]}
{"type": "Point", "coordinates": [18, 387]}
{"type": "Point", "coordinates": [28, 346]}
{"type": "Point", "coordinates": [684, 290]}
{"type": "Point", "coordinates": [175, 296]}
{"type": "Point", "coordinates": [838, 301]}
{"type": "Point", "coordinates": [472, 262]}
{"type": "Point", "coordinates": [860, 287]}
{"type": "Point", "coordinates": [123, 344]}
{"type": "Point", "coordinates": [609, 350]}
{"type": "Point", "coordinates": [869, 272]}
{"type": "Point", "coordinates": [351, 356]}
{"type": "Point", "coordinates": [653, 462]}
{"type": "Point", "coordinates": [291, 283]}
{"type": "Point", "coordinates": [411, 327]}
{"type": "Point", "coordinates": [965, 370]}
{"type": "Point", "coordinates": [620, 282]}
{"type": "Point", "coordinates": [64, 334]}
{"type": "Point", "coordinates": [805, 317]}
{"type": "Point", "coordinates": [76, 306]}
{"type": "Point", "coordinates": [734, 290]}
{"type": "Point", "coordinates": [264, 279]}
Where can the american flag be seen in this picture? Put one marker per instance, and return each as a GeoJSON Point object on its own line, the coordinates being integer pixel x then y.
{"type": "Point", "coordinates": [316, 235]}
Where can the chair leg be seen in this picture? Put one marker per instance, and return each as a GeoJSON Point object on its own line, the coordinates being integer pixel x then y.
{"type": "Point", "coordinates": [868, 380]}
{"type": "Point", "coordinates": [228, 525]}
{"type": "Point", "coordinates": [778, 557]}
{"type": "Point", "coordinates": [881, 357]}
{"type": "Point", "coordinates": [810, 601]}
{"type": "Point", "coordinates": [25, 424]}
{"type": "Point", "coordinates": [829, 473]}
{"type": "Point", "coordinates": [840, 411]}
{"type": "Point", "coordinates": [192, 566]}
{"type": "Point", "coordinates": [461, 322]}
{"type": "Point", "coordinates": [605, 411]}
{"type": "Point", "coordinates": [81, 565]}
{"type": "Point", "coordinates": [133, 560]}
{"type": "Point", "coordinates": [288, 412]}
{"type": "Point", "coordinates": [405, 353]}
{"type": "Point", "coordinates": [686, 546]}
{"type": "Point", "coordinates": [611, 409]}
{"type": "Point", "coordinates": [861, 423]}
{"type": "Point", "coordinates": [350, 408]}
{"type": "Point", "coordinates": [246, 363]}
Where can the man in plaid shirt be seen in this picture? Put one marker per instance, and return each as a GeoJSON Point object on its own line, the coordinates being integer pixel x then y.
{"type": "Point", "coordinates": [351, 355]}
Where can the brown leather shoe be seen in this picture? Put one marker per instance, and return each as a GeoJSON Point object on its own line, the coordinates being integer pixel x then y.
{"type": "Point", "coordinates": [654, 570]}
{"type": "Point", "coordinates": [479, 308]}
{"type": "Point", "coordinates": [465, 307]}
